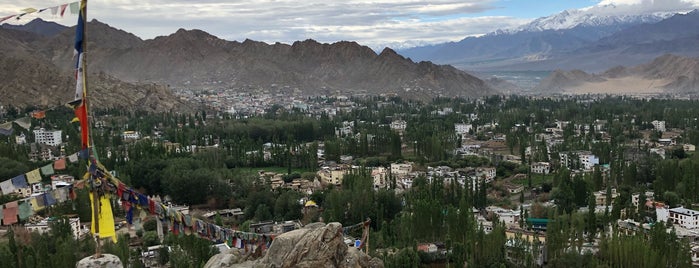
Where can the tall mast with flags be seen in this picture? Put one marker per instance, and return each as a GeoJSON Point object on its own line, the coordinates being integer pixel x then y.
{"type": "Point", "coordinates": [102, 220]}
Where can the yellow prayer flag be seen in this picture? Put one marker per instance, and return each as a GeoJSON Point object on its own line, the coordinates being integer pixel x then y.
{"type": "Point", "coordinates": [75, 119]}
{"type": "Point", "coordinates": [105, 218]}
{"type": "Point", "coordinates": [29, 10]}
{"type": "Point", "coordinates": [34, 176]}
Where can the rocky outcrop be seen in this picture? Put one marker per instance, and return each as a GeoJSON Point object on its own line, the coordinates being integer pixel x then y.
{"type": "Point", "coordinates": [316, 245]}
{"type": "Point", "coordinates": [105, 261]}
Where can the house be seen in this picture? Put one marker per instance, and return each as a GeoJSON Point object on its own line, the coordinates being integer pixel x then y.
{"type": "Point", "coordinates": [601, 197]}
{"type": "Point", "coordinates": [540, 168]}
{"type": "Point", "coordinates": [332, 175]}
{"type": "Point", "coordinates": [689, 147]}
{"type": "Point", "coordinates": [427, 247]}
{"type": "Point", "coordinates": [579, 159]}
{"type": "Point", "coordinates": [48, 137]}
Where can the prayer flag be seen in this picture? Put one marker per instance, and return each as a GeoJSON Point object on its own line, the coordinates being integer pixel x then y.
{"type": "Point", "coordinates": [6, 18]}
{"type": "Point", "coordinates": [24, 122]}
{"type": "Point", "coordinates": [10, 213]}
{"type": "Point", "coordinates": [6, 128]}
{"type": "Point", "coordinates": [54, 10]}
{"type": "Point", "coordinates": [73, 158]}
{"type": "Point", "coordinates": [20, 182]}
{"type": "Point", "coordinates": [7, 187]}
{"type": "Point", "coordinates": [47, 170]}
{"type": "Point", "coordinates": [74, 7]}
{"type": "Point", "coordinates": [33, 176]}
{"type": "Point", "coordinates": [104, 219]}
{"type": "Point", "coordinates": [60, 164]}
{"type": "Point", "coordinates": [25, 211]}
{"type": "Point", "coordinates": [63, 9]}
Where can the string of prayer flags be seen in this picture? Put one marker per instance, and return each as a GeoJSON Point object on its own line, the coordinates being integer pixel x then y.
{"type": "Point", "coordinates": [33, 176]}
{"type": "Point", "coordinates": [74, 9]}
{"type": "Point", "coordinates": [20, 182]}
{"type": "Point", "coordinates": [10, 213]}
{"type": "Point", "coordinates": [105, 219]}
{"type": "Point", "coordinates": [59, 164]}
{"type": "Point", "coordinates": [47, 170]}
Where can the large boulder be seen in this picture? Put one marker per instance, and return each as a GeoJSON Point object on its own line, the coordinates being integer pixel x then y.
{"type": "Point", "coordinates": [315, 245]}
{"type": "Point", "coordinates": [104, 261]}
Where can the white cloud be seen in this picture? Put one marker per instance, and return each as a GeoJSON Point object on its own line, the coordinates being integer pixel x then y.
{"type": "Point", "coordinates": [644, 6]}
{"type": "Point", "coordinates": [371, 22]}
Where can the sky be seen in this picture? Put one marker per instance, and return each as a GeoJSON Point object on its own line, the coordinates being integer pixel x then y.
{"type": "Point", "coordinates": [375, 23]}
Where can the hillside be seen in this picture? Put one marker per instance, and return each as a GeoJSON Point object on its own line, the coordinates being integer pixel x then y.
{"type": "Point", "coordinates": [667, 74]}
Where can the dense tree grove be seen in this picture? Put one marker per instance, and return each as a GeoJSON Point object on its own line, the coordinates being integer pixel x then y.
{"type": "Point", "coordinates": [213, 159]}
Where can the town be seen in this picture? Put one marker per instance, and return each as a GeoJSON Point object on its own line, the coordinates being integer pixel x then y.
{"type": "Point", "coordinates": [512, 180]}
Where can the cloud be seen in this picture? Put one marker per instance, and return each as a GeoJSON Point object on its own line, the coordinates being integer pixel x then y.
{"type": "Point", "coordinates": [371, 22]}
{"type": "Point", "coordinates": [617, 7]}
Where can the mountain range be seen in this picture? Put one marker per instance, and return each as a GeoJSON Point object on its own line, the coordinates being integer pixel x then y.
{"type": "Point", "coordinates": [195, 59]}
{"type": "Point", "coordinates": [667, 74]}
{"type": "Point", "coordinates": [573, 39]}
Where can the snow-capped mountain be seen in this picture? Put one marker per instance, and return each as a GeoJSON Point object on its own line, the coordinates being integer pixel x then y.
{"type": "Point", "coordinates": [593, 17]}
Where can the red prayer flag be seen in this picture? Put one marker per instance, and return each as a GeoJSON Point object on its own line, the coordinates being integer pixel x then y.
{"type": "Point", "coordinates": [63, 9]}
{"type": "Point", "coordinates": [60, 164]}
{"type": "Point", "coordinates": [81, 114]}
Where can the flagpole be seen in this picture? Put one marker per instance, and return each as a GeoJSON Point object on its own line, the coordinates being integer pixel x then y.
{"type": "Point", "coordinates": [96, 198]}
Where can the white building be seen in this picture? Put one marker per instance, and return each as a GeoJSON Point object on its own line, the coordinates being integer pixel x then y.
{"type": "Point", "coordinates": [399, 125]}
{"type": "Point", "coordinates": [131, 135]}
{"type": "Point", "coordinates": [658, 125]}
{"type": "Point", "coordinates": [21, 139]}
{"type": "Point", "coordinates": [686, 218]}
{"type": "Point", "coordinates": [588, 160]}
{"type": "Point", "coordinates": [44, 227]}
{"type": "Point", "coordinates": [541, 168]}
{"type": "Point", "coordinates": [48, 137]}
{"type": "Point", "coordinates": [487, 173]}
{"type": "Point", "coordinates": [689, 147]}
{"type": "Point", "coordinates": [462, 129]}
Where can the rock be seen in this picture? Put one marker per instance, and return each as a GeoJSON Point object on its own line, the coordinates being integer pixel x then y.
{"type": "Point", "coordinates": [106, 261]}
{"type": "Point", "coordinates": [315, 245]}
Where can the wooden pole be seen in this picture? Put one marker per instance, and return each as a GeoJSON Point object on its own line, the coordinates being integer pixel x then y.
{"type": "Point", "coordinates": [95, 193]}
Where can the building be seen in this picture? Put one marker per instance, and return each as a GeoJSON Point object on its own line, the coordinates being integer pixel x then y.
{"type": "Point", "coordinates": [578, 160]}
{"type": "Point", "coordinates": [48, 137]}
{"type": "Point", "coordinates": [332, 176]}
{"type": "Point", "coordinates": [686, 218]}
{"type": "Point", "coordinates": [380, 176]}
{"type": "Point", "coordinates": [131, 135]}
{"type": "Point", "coordinates": [44, 227]}
{"type": "Point", "coordinates": [21, 139]}
{"type": "Point", "coordinates": [462, 129]}
{"type": "Point", "coordinates": [399, 125]}
{"type": "Point", "coordinates": [540, 168]}
{"type": "Point", "coordinates": [658, 125]}
{"type": "Point", "coordinates": [401, 170]}
{"type": "Point", "coordinates": [486, 173]}
{"type": "Point", "coordinates": [689, 147]}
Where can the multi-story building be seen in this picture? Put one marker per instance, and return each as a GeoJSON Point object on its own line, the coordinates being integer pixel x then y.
{"type": "Point", "coordinates": [658, 125]}
{"type": "Point", "coordinates": [48, 137]}
{"type": "Point", "coordinates": [399, 125]}
{"type": "Point", "coordinates": [401, 170]}
{"type": "Point", "coordinates": [686, 218]}
{"type": "Point", "coordinates": [462, 129]}
{"type": "Point", "coordinates": [541, 168]}
{"type": "Point", "coordinates": [131, 135]}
